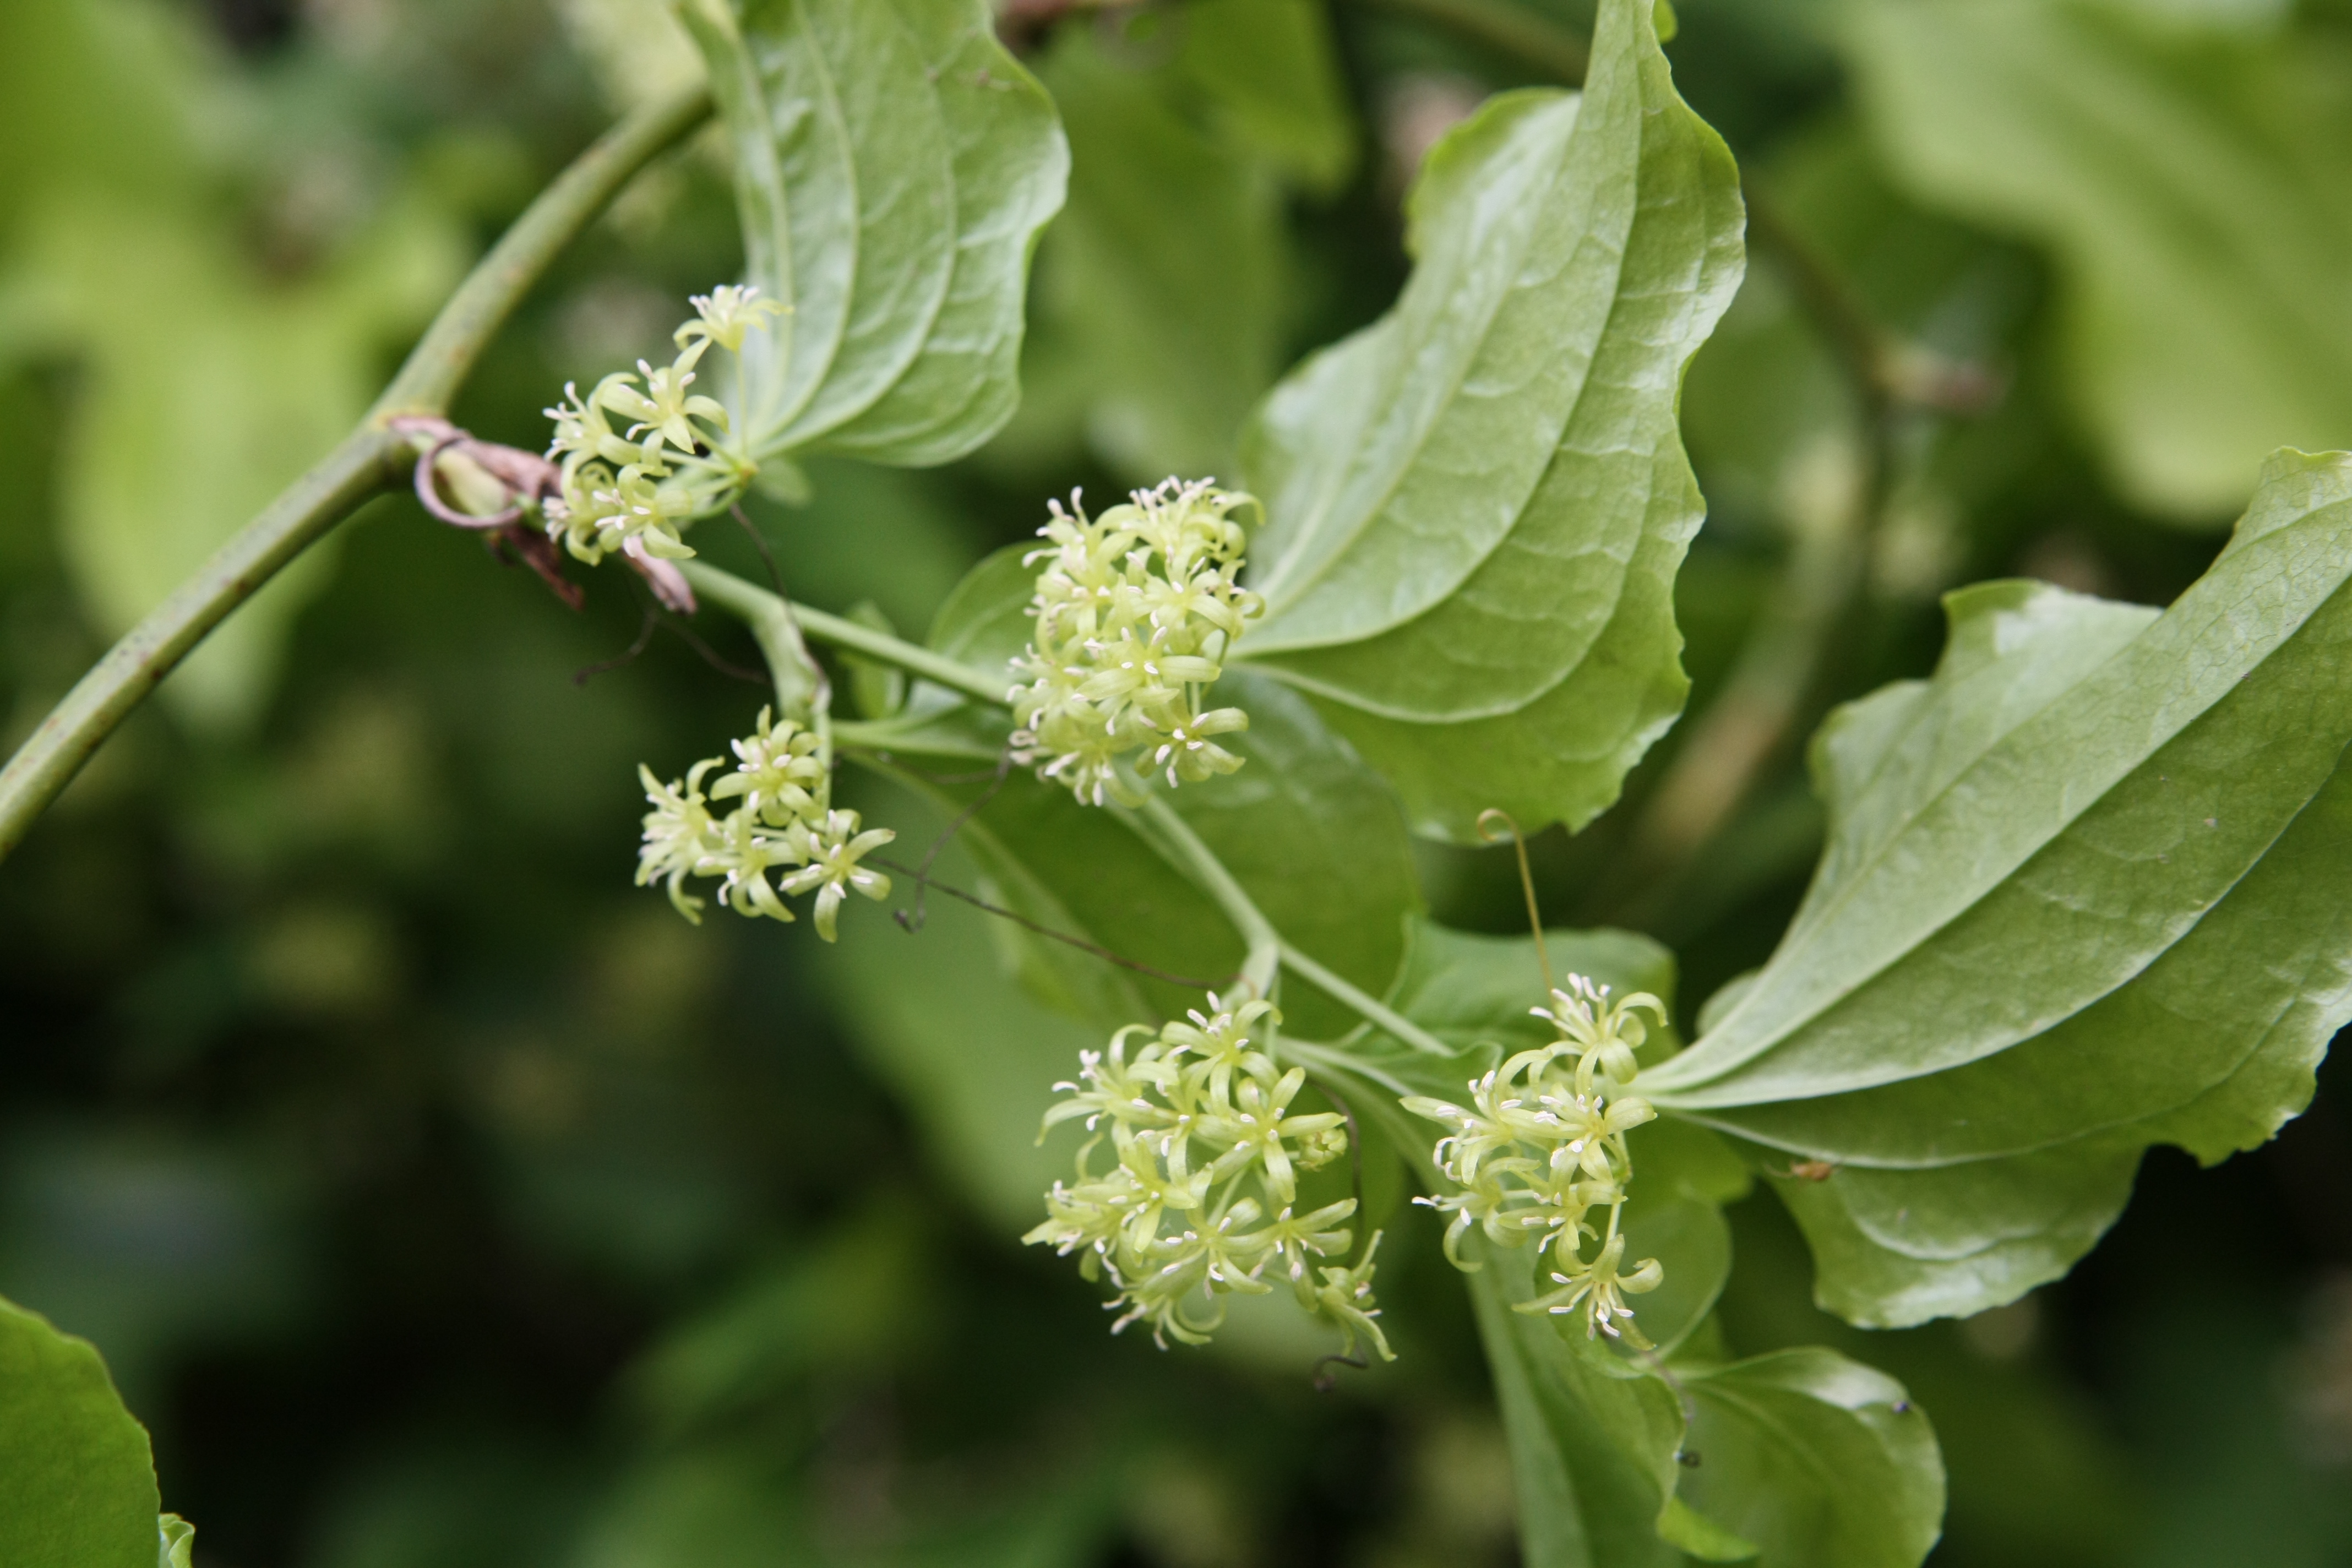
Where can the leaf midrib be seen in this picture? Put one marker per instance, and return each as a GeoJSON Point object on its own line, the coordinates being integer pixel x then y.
{"type": "Point", "coordinates": [1351, 534]}
{"type": "Point", "coordinates": [1865, 871]}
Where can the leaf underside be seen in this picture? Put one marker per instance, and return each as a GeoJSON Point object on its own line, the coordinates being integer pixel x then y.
{"type": "Point", "coordinates": [2079, 897]}
{"type": "Point", "coordinates": [894, 166]}
{"type": "Point", "coordinates": [1478, 505]}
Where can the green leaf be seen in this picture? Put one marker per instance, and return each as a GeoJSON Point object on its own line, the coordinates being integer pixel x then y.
{"type": "Point", "coordinates": [1816, 1460]}
{"type": "Point", "coordinates": [1797, 1459]}
{"type": "Point", "coordinates": [894, 166]}
{"type": "Point", "coordinates": [2186, 184]}
{"type": "Point", "coordinates": [2077, 900]}
{"type": "Point", "coordinates": [77, 1483]}
{"type": "Point", "coordinates": [1271, 75]}
{"type": "Point", "coordinates": [1478, 505]}
{"type": "Point", "coordinates": [1466, 988]}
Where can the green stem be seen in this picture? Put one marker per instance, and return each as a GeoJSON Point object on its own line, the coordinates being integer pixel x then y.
{"type": "Point", "coordinates": [1174, 838]}
{"type": "Point", "coordinates": [772, 620]}
{"type": "Point", "coordinates": [443, 358]}
{"type": "Point", "coordinates": [132, 668]}
{"type": "Point", "coordinates": [1322, 1057]}
{"type": "Point", "coordinates": [1364, 1005]}
{"type": "Point", "coordinates": [371, 459]}
{"type": "Point", "coordinates": [1503, 27]}
{"type": "Point", "coordinates": [771, 617]}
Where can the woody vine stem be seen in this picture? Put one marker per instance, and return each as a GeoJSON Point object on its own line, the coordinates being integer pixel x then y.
{"type": "Point", "coordinates": [376, 457]}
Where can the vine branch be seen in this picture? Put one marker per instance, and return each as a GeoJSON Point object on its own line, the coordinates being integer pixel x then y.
{"type": "Point", "coordinates": [371, 459]}
{"type": "Point", "coordinates": [772, 619]}
{"type": "Point", "coordinates": [1159, 825]}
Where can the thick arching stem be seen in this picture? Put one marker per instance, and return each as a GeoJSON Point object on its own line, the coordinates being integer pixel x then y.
{"type": "Point", "coordinates": [373, 458]}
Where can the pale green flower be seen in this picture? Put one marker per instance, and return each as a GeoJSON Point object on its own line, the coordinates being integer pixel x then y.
{"type": "Point", "coordinates": [1346, 1298]}
{"type": "Point", "coordinates": [664, 410]}
{"type": "Point", "coordinates": [783, 839]}
{"type": "Point", "coordinates": [725, 314]}
{"type": "Point", "coordinates": [831, 849]}
{"type": "Point", "coordinates": [1198, 1118]}
{"type": "Point", "coordinates": [678, 832]}
{"type": "Point", "coordinates": [1541, 1147]}
{"type": "Point", "coordinates": [1600, 1290]}
{"type": "Point", "coordinates": [1604, 1034]}
{"type": "Point", "coordinates": [1134, 616]}
{"type": "Point", "coordinates": [1190, 755]}
{"type": "Point", "coordinates": [640, 489]}
{"type": "Point", "coordinates": [777, 772]}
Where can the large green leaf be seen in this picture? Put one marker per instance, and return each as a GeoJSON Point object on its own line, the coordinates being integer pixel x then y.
{"type": "Point", "coordinates": [77, 1485]}
{"type": "Point", "coordinates": [2079, 897]}
{"type": "Point", "coordinates": [1797, 1459]}
{"type": "Point", "coordinates": [2189, 185]}
{"type": "Point", "coordinates": [1478, 505]}
{"type": "Point", "coordinates": [1592, 1438]}
{"type": "Point", "coordinates": [894, 166]}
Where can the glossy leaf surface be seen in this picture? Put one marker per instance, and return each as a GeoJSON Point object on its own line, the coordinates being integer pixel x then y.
{"type": "Point", "coordinates": [1814, 1459]}
{"type": "Point", "coordinates": [893, 167]}
{"type": "Point", "coordinates": [2075, 901]}
{"type": "Point", "coordinates": [1478, 505]}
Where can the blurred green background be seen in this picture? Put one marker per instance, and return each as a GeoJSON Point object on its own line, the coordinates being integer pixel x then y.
{"type": "Point", "coordinates": [439, 1199]}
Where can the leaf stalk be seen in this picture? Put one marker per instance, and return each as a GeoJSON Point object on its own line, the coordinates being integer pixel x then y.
{"type": "Point", "coordinates": [772, 619]}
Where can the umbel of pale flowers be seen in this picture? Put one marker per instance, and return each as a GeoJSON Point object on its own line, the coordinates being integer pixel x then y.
{"type": "Point", "coordinates": [1187, 1185]}
{"type": "Point", "coordinates": [1540, 1150]}
{"type": "Point", "coordinates": [1135, 613]}
{"type": "Point", "coordinates": [783, 826]}
{"type": "Point", "coordinates": [642, 456]}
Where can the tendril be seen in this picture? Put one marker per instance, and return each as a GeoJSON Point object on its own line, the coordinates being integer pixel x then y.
{"type": "Point", "coordinates": [1486, 820]}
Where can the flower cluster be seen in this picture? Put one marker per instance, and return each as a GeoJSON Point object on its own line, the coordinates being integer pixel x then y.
{"type": "Point", "coordinates": [1136, 610]}
{"type": "Point", "coordinates": [784, 824]}
{"type": "Point", "coordinates": [635, 490]}
{"type": "Point", "coordinates": [1200, 1196]}
{"type": "Point", "coordinates": [1542, 1146]}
